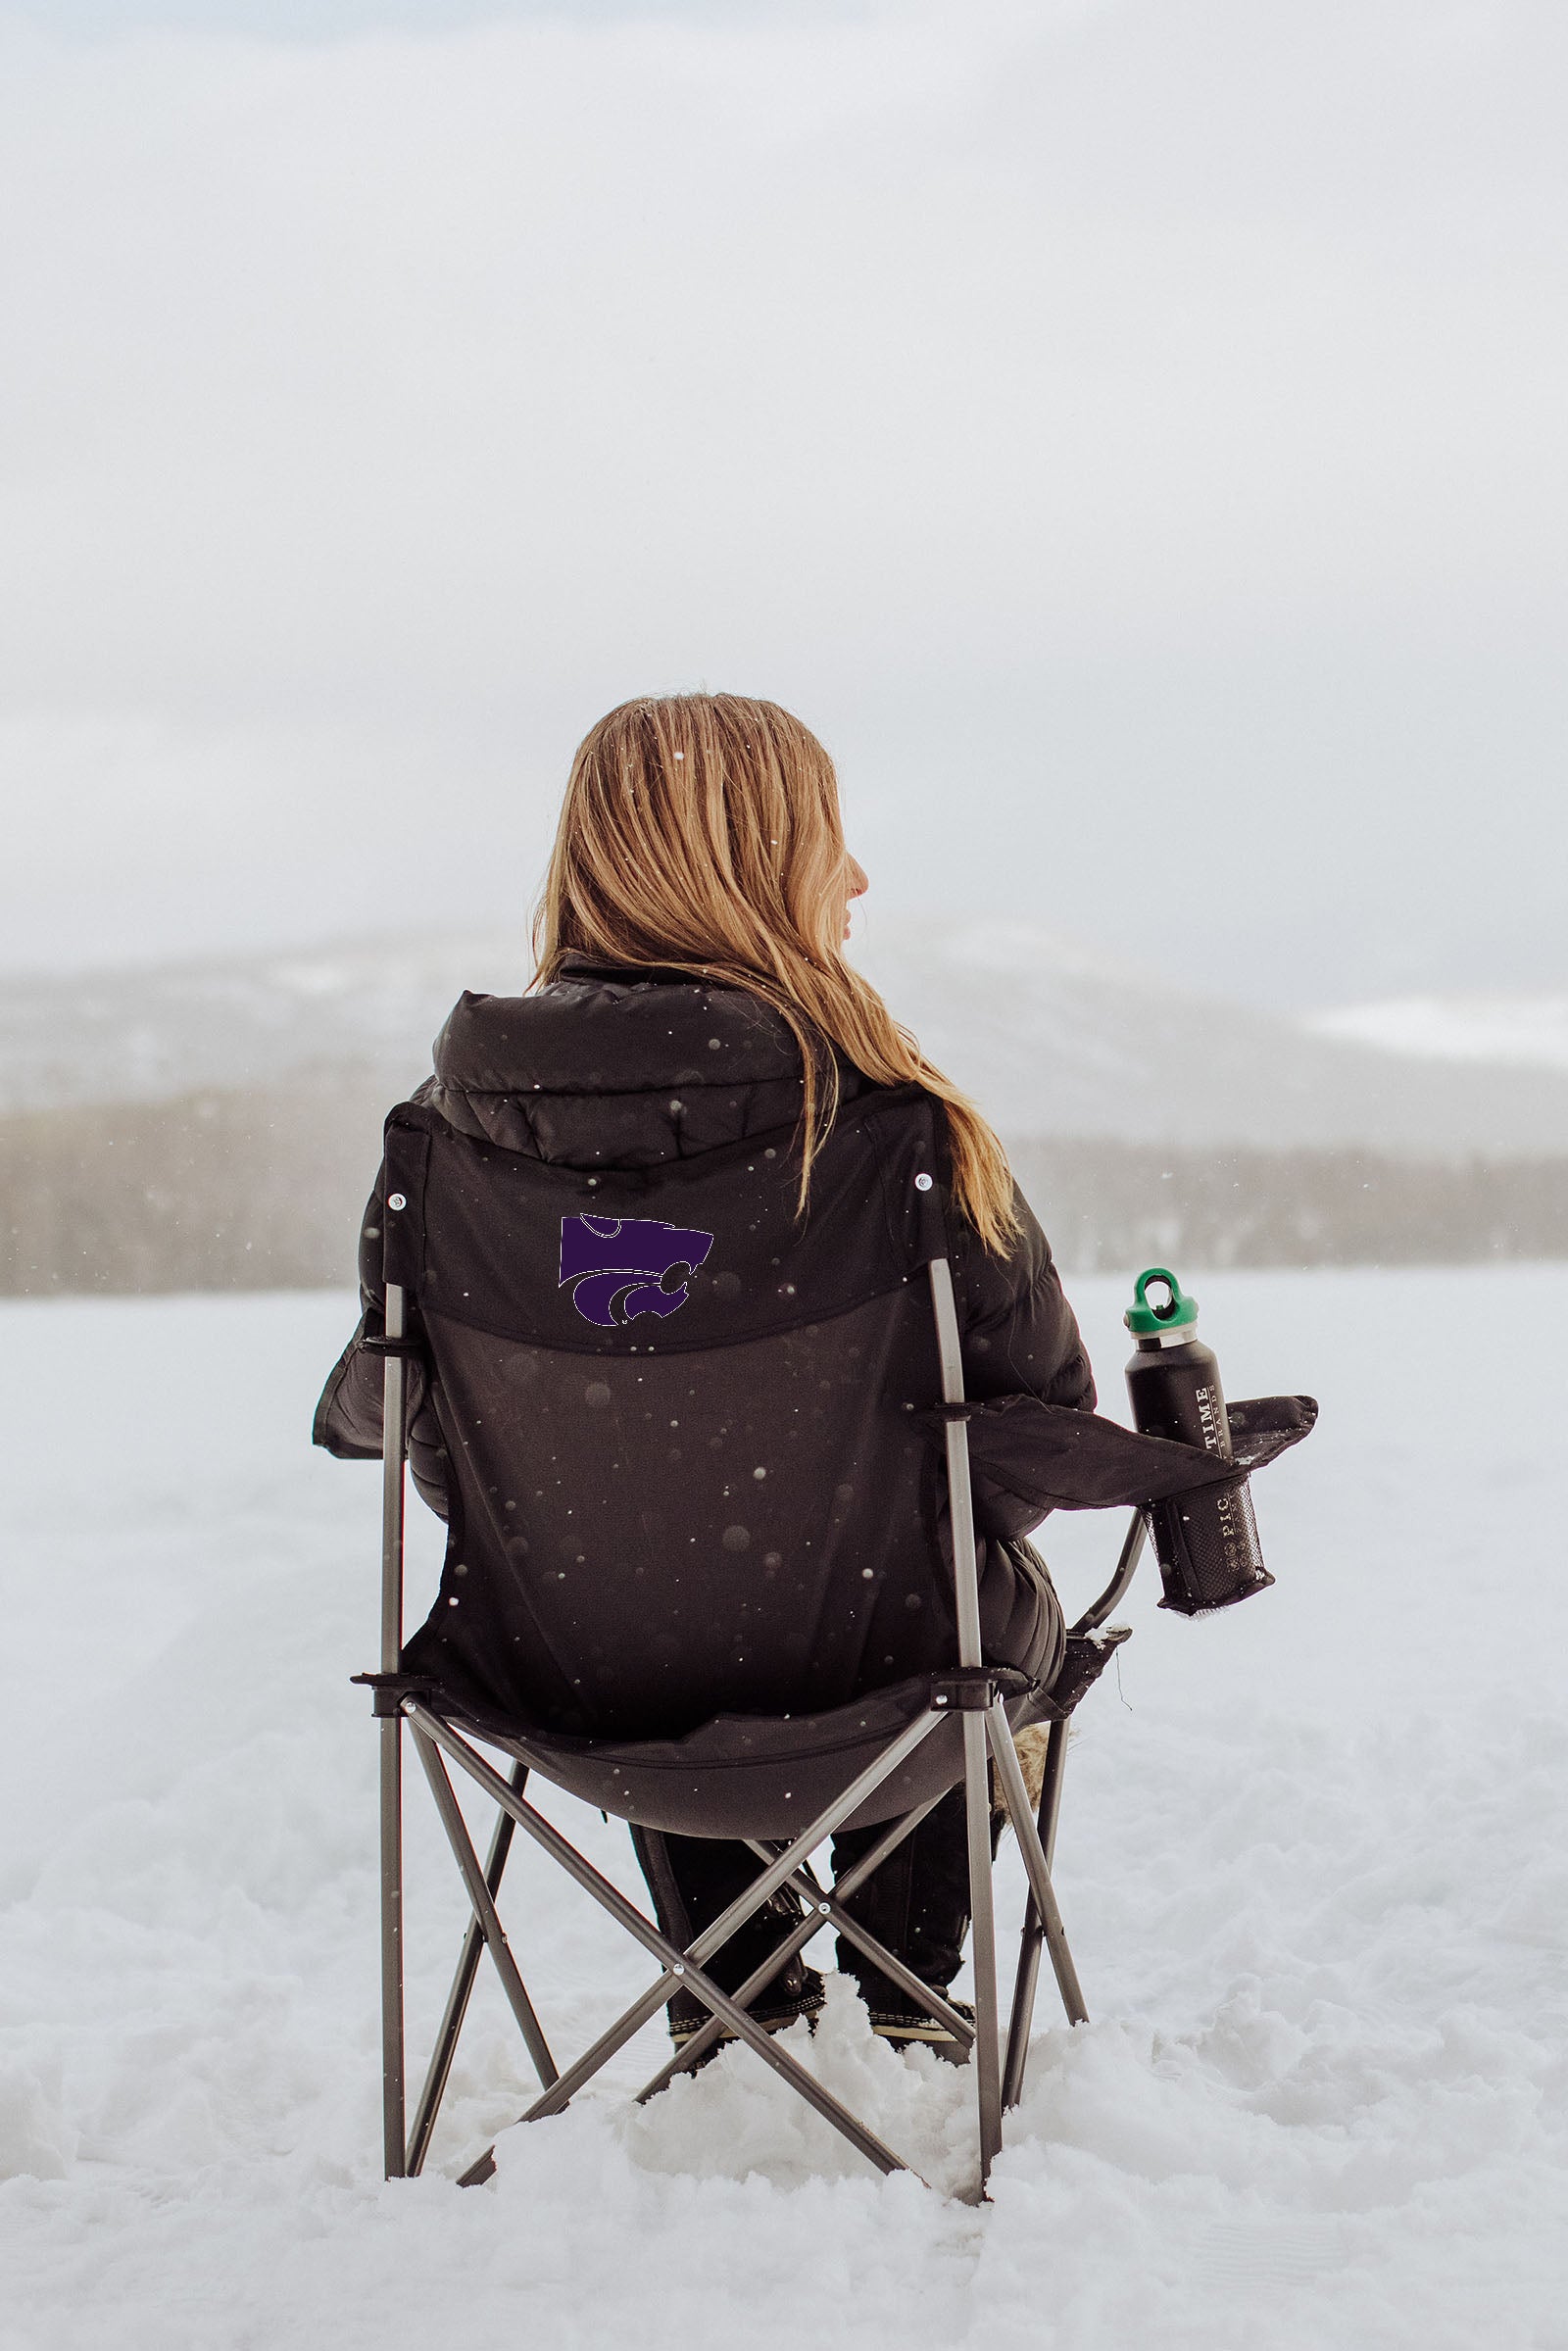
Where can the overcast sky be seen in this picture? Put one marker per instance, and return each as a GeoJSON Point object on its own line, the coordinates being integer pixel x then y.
{"type": "Point", "coordinates": [1130, 432]}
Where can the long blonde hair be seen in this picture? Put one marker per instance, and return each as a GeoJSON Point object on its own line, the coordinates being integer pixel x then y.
{"type": "Point", "coordinates": [702, 832]}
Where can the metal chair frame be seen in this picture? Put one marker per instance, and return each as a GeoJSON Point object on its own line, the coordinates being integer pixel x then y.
{"type": "Point", "coordinates": [987, 1738]}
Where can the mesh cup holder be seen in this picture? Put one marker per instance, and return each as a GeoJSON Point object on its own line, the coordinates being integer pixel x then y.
{"type": "Point", "coordinates": [1207, 1547]}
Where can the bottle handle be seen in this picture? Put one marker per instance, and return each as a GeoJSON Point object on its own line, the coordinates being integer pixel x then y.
{"type": "Point", "coordinates": [1171, 1310]}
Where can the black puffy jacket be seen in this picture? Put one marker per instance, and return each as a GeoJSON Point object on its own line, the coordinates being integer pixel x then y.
{"type": "Point", "coordinates": [629, 1069]}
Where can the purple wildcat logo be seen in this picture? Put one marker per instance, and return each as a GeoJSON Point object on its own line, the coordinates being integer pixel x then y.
{"type": "Point", "coordinates": [620, 1266]}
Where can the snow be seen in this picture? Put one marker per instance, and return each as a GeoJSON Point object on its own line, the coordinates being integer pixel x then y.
{"type": "Point", "coordinates": [1310, 1860]}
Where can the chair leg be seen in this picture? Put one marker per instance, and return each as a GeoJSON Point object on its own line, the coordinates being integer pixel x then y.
{"type": "Point", "coordinates": [392, 2056]}
{"type": "Point", "coordinates": [484, 1910]}
{"type": "Point", "coordinates": [830, 1911]}
{"type": "Point", "coordinates": [983, 1927]}
{"type": "Point", "coordinates": [394, 1400]}
{"type": "Point", "coordinates": [1011, 1780]}
{"type": "Point", "coordinates": [444, 2049]}
{"type": "Point", "coordinates": [713, 1936]}
{"type": "Point", "coordinates": [677, 1966]}
{"type": "Point", "coordinates": [822, 1910]}
{"type": "Point", "coordinates": [462, 1991]}
{"type": "Point", "coordinates": [1033, 1936]}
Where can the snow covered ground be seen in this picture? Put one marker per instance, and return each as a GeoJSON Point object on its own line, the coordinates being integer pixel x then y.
{"type": "Point", "coordinates": [1311, 1861]}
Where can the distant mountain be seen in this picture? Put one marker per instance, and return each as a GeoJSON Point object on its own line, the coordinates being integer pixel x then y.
{"type": "Point", "coordinates": [256, 1022]}
{"type": "Point", "coordinates": [1528, 1032]}
{"type": "Point", "coordinates": [1056, 1043]}
{"type": "Point", "coordinates": [216, 1125]}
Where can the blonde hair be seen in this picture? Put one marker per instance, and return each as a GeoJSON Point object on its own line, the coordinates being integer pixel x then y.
{"type": "Point", "coordinates": [702, 832]}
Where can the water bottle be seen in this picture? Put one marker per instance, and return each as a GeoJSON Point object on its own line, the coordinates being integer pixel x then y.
{"type": "Point", "coordinates": [1205, 1540]}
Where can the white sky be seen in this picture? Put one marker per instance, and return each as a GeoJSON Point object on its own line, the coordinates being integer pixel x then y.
{"type": "Point", "coordinates": [1132, 434]}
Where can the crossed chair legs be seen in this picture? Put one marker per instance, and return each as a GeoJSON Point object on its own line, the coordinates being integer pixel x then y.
{"type": "Point", "coordinates": [986, 1736]}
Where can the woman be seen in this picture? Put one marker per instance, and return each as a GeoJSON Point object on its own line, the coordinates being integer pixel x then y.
{"type": "Point", "coordinates": [698, 899]}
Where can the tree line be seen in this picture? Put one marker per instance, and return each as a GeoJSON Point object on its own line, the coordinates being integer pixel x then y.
{"type": "Point", "coordinates": [263, 1189]}
{"type": "Point", "coordinates": [1108, 1205]}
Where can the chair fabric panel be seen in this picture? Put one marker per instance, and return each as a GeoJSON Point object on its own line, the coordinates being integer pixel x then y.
{"type": "Point", "coordinates": [495, 1231]}
{"type": "Point", "coordinates": [686, 1468]}
{"type": "Point", "coordinates": [640, 1543]}
{"type": "Point", "coordinates": [705, 1488]}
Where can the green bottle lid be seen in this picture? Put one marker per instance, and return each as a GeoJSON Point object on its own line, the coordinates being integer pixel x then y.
{"type": "Point", "coordinates": [1178, 1313]}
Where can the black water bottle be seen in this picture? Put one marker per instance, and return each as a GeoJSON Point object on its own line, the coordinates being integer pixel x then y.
{"type": "Point", "coordinates": [1205, 1540]}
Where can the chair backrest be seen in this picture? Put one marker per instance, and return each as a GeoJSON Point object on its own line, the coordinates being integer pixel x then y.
{"type": "Point", "coordinates": [686, 1471]}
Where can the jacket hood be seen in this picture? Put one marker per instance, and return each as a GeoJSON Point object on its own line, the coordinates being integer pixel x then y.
{"type": "Point", "coordinates": [618, 1068]}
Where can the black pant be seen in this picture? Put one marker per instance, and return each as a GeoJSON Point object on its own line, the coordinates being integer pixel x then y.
{"type": "Point", "coordinates": [917, 1903]}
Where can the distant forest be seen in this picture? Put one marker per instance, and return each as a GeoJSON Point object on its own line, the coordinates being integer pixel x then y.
{"type": "Point", "coordinates": [265, 1189]}
{"type": "Point", "coordinates": [1109, 1206]}
{"type": "Point", "coordinates": [254, 1190]}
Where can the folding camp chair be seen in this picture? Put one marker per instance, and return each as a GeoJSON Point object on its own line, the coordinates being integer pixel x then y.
{"type": "Point", "coordinates": [508, 1281]}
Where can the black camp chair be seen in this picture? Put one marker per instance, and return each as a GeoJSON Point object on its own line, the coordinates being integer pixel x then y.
{"type": "Point", "coordinates": [804, 1373]}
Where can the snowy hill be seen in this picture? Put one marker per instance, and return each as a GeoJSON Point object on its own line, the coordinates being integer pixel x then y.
{"type": "Point", "coordinates": [216, 1125]}
{"type": "Point", "coordinates": [1053, 1041]}
{"type": "Point", "coordinates": [149, 1034]}
{"type": "Point", "coordinates": [1528, 1032]}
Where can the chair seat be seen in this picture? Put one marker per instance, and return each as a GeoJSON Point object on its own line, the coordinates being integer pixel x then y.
{"type": "Point", "coordinates": [764, 1775]}
{"type": "Point", "coordinates": [747, 1775]}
